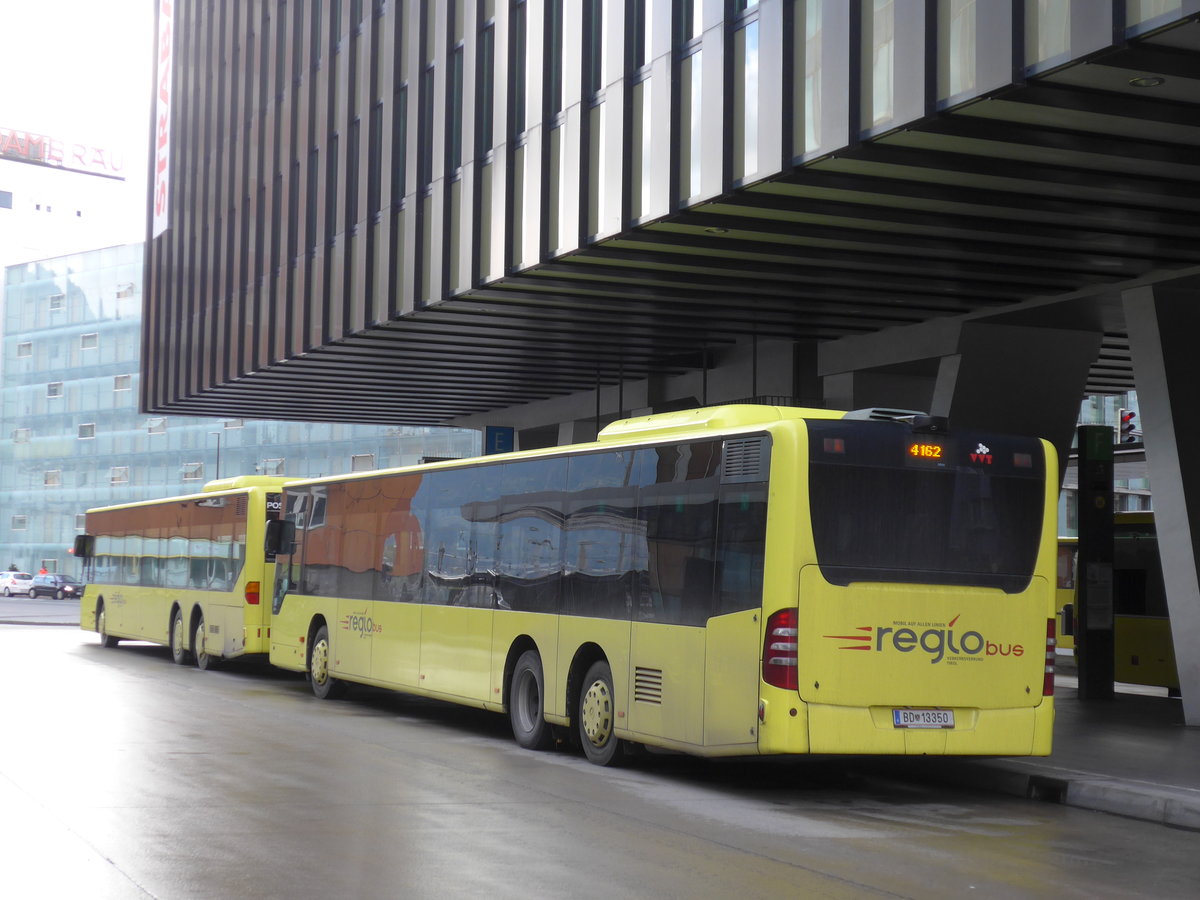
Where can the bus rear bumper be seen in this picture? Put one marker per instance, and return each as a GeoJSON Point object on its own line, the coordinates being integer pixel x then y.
{"type": "Point", "coordinates": [1023, 731]}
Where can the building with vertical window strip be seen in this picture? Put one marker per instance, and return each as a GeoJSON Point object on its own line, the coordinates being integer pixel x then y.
{"type": "Point", "coordinates": [410, 211]}
{"type": "Point", "coordinates": [547, 214]}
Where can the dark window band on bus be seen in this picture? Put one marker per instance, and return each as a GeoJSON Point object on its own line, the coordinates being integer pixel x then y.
{"type": "Point", "coordinates": [888, 505]}
{"type": "Point", "coordinates": [657, 534]}
{"type": "Point", "coordinates": [197, 543]}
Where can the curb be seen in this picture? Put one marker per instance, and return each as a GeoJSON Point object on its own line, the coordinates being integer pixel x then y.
{"type": "Point", "coordinates": [37, 622]}
{"type": "Point", "coordinates": [1174, 806]}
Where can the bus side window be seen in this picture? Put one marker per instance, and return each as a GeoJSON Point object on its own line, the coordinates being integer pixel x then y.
{"type": "Point", "coordinates": [741, 545]}
{"type": "Point", "coordinates": [678, 505]}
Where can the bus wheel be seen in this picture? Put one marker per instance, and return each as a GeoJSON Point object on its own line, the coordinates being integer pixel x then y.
{"type": "Point", "coordinates": [178, 654]}
{"type": "Point", "coordinates": [106, 639]}
{"type": "Point", "coordinates": [204, 659]}
{"type": "Point", "coordinates": [525, 698]}
{"type": "Point", "coordinates": [324, 685]}
{"type": "Point", "coordinates": [596, 715]}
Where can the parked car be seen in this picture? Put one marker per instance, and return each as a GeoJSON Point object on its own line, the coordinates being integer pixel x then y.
{"type": "Point", "coordinates": [60, 587]}
{"type": "Point", "coordinates": [15, 583]}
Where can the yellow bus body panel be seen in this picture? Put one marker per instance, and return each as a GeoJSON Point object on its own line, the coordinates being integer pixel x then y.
{"type": "Point", "coordinates": [666, 682]}
{"type": "Point", "coordinates": [1145, 651]}
{"type": "Point", "coordinates": [732, 677]}
{"type": "Point", "coordinates": [456, 651]}
{"type": "Point", "coordinates": [289, 632]}
{"type": "Point", "coordinates": [575, 635]}
{"type": "Point", "coordinates": [508, 627]}
{"type": "Point", "coordinates": [397, 658]}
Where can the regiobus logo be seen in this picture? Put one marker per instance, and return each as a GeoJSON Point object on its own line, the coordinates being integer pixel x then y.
{"type": "Point", "coordinates": [360, 624]}
{"type": "Point", "coordinates": [939, 640]}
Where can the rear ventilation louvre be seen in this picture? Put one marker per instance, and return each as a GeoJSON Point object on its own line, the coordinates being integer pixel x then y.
{"type": "Point", "coordinates": [647, 685]}
{"type": "Point", "coordinates": [745, 459]}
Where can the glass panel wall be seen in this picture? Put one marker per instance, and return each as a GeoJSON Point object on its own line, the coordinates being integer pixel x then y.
{"type": "Point", "coordinates": [100, 449]}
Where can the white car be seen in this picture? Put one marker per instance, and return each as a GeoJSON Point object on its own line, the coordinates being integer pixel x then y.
{"type": "Point", "coordinates": [15, 583]}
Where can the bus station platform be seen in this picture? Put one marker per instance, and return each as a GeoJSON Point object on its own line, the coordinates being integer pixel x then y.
{"type": "Point", "coordinates": [1130, 756]}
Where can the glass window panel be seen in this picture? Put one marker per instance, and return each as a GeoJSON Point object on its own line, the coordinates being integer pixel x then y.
{"type": "Point", "coordinates": [462, 534]}
{"type": "Point", "coordinates": [879, 60]}
{"type": "Point", "coordinates": [341, 549]}
{"type": "Point", "coordinates": [878, 517]}
{"type": "Point", "coordinates": [402, 549]}
{"type": "Point", "coordinates": [678, 509]}
{"type": "Point", "coordinates": [604, 559]}
{"type": "Point", "coordinates": [1139, 11]}
{"type": "Point", "coordinates": [741, 546]}
{"type": "Point", "coordinates": [1047, 29]}
{"type": "Point", "coordinates": [529, 560]}
{"type": "Point", "coordinates": [486, 92]}
{"type": "Point", "coordinates": [957, 37]}
{"type": "Point", "coordinates": [691, 113]}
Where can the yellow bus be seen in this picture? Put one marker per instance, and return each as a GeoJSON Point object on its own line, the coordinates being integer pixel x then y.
{"type": "Point", "coordinates": [722, 581]}
{"type": "Point", "coordinates": [1143, 649]}
{"type": "Point", "coordinates": [186, 572]}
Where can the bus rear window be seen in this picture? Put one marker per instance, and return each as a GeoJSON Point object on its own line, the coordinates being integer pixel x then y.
{"type": "Point", "coordinates": [889, 505]}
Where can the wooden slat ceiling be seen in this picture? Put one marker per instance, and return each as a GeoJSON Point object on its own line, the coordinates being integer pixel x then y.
{"type": "Point", "coordinates": [1071, 184]}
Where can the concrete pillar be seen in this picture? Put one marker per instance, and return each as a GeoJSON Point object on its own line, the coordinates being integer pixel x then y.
{"type": "Point", "coordinates": [903, 387]}
{"type": "Point", "coordinates": [1016, 379]}
{"type": "Point", "coordinates": [1163, 322]}
{"type": "Point", "coordinates": [979, 373]}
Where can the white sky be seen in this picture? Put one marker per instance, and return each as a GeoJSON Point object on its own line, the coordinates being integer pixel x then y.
{"type": "Point", "coordinates": [81, 71]}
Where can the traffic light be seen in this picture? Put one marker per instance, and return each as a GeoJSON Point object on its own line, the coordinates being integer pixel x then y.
{"type": "Point", "coordinates": [1125, 426]}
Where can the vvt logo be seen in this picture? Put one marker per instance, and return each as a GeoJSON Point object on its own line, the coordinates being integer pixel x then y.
{"type": "Point", "coordinates": [937, 641]}
{"type": "Point", "coordinates": [982, 454]}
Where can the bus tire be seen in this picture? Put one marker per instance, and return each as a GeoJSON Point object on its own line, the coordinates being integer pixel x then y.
{"type": "Point", "coordinates": [179, 654]}
{"type": "Point", "coordinates": [324, 685]}
{"type": "Point", "coordinates": [526, 703]}
{"type": "Point", "coordinates": [106, 640]}
{"type": "Point", "coordinates": [596, 717]}
{"type": "Point", "coordinates": [204, 659]}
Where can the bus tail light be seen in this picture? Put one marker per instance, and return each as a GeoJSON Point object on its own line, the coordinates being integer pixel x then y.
{"type": "Point", "coordinates": [253, 591]}
{"type": "Point", "coordinates": [780, 665]}
{"type": "Point", "coordinates": [1051, 643]}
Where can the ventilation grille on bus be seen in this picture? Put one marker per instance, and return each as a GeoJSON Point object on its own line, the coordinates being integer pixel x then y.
{"type": "Point", "coordinates": [647, 685]}
{"type": "Point", "coordinates": [746, 459]}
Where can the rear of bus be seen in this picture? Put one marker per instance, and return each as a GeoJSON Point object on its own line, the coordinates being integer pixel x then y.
{"type": "Point", "coordinates": [923, 579]}
{"type": "Point", "coordinates": [198, 558]}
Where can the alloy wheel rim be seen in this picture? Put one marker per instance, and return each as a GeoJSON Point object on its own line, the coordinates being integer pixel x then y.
{"type": "Point", "coordinates": [597, 713]}
{"type": "Point", "coordinates": [320, 663]}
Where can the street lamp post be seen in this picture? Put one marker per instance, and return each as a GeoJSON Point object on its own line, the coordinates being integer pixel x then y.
{"type": "Point", "coordinates": [218, 434]}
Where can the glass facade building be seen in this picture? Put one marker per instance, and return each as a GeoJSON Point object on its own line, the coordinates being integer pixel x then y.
{"type": "Point", "coordinates": [73, 436]}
